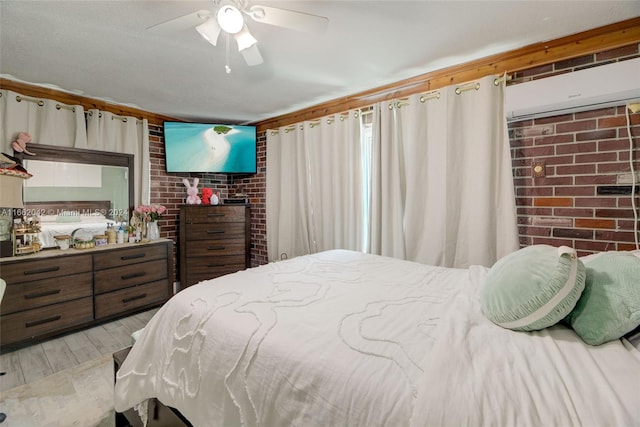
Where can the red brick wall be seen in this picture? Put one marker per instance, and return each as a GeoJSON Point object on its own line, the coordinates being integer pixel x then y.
{"type": "Point", "coordinates": [582, 153]}
{"type": "Point", "coordinates": [167, 189]}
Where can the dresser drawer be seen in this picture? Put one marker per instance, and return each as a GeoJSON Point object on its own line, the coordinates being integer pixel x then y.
{"type": "Point", "coordinates": [216, 231]}
{"type": "Point", "coordinates": [223, 214]}
{"type": "Point", "coordinates": [203, 268]}
{"type": "Point", "coordinates": [30, 324]}
{"type": "Point", "coordinates": [129, 275]}
{"type": "Point", "coordinates": [25, 296]}
{"type": "Point", "coordinates": [215, 248]}
{"type": "Point", "coordinates": [128, 299]}
{"type": "Point", "coordinates": [198, 275]}
{"type": "Point", "coordinates": [45, 268]}
{"type": "Point", "coordinates": [134, 255]}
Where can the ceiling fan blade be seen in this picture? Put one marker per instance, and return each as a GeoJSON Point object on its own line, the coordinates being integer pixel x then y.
{"type": "Point", "coordinates": [181, 23]}
{"type": "Point", "coordinates": [244, 39]}
{"type": "Point", "coordinates": [252, 55]}
{"type": "Point", "coordinates": [209, 30]}
{"type": "Point", "coordinates": [289, 19]}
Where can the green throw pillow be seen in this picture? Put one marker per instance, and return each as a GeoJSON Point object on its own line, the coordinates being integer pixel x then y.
{"type": "Point", "coordinates": [533, 288]}
{"type": "Point", "coordinates": [610, 304]}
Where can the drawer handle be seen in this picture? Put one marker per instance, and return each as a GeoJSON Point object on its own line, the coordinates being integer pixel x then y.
{"type": "Point", "coordinates": [126, 300]}
{"type": "Point", "coordinates": [216, 248]}
{"type": "Point", "coordinates": [126, 257]}
{"type": "Point", "coordinates": [42, 294]}
{"type": "Point", "coordinates": [215, 231]}
{"type": "Point", "coordinates": [133, 275]}
{"type": "Point", "coordinates": [215, 214]}
{"type": "Point", "coordinates": [43, 321]}
{"type": "Point", "coordinates": [41, 270]}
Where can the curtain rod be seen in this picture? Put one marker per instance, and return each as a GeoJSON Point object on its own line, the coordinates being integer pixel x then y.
{"type": "Point", "coordinates": [429, 95]}
{"type": "Point", "coordinates": [66, 107]}
{"type": "Point", "coordinates": [40, 102]}
{"type": "Point", "coordinates": [115, 117]}
{"type": "Point", "coordinates": [467, 87]}
{"type": "Point", "coordinates": [329, 119]}
{"type": "Point", "coordinates": [435, 94]}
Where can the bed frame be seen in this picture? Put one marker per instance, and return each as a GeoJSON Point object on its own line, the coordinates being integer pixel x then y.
{"type": "Point", "coordinates": [158, 415]}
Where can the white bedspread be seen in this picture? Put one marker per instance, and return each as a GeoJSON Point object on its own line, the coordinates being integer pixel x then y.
{"type": "Point", "coordinates": [347, 339]}
{"type": "Point", "coordinates": [498, 377]}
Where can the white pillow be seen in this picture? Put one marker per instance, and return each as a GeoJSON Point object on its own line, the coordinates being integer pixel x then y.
{"type": "Point", "coordinates": [48, 218]}
{"type": "Point", "coordinates": [93, 217]}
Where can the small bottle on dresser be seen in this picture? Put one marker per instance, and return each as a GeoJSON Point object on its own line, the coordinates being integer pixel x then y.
{"type": "Point", "coordinates": [120, 238]}
{"type": "Point", "coordinates": [111, 234]}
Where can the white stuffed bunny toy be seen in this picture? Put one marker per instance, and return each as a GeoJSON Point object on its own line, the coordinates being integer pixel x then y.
{"type": "Point", "coordinates": [192, 191]}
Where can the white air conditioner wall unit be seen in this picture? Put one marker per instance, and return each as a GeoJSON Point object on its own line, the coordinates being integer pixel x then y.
{"type": "Point", "coordinates": [598, 87]}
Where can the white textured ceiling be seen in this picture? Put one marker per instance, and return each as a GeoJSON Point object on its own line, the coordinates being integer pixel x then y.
{"type": "Point", "coordinates": [102, 49]}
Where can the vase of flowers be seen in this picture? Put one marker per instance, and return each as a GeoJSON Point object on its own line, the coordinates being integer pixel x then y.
{"type": "Point", "coordinates": [146, 218]}
{"type": "Point", "coordinates": [153, 231]}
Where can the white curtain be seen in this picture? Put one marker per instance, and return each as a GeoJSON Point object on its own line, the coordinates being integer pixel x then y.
{"type": "Point", "coordinates": [123, 134]}
{"type": "Point", "coordinates": [314, 187]}
{"type": "Point", "coordinates": [287, 199]}
{"type": "Point", "coordinates": [442, 189]}
{"type": "Point", "coordinates": [335, 182]}
{"type": "Point", "coordinates": [49, 122]}
{"type": "Point", "coordinates": [388, 187]}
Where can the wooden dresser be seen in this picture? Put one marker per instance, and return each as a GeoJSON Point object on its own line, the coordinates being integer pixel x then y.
{"type": "Point", "coordinates": [56, 291]}
{"type": "Point", "coordinates": [214, 241]}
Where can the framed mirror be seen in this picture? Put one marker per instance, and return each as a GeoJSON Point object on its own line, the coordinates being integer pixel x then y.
{"type": "Point", "coordinates": [63, 174]}
{"type": "Point", "coordinates": [76, 189]}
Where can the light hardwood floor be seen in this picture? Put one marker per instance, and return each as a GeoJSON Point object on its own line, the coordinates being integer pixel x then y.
{"type": "Point", "coordinates": [48, 357]}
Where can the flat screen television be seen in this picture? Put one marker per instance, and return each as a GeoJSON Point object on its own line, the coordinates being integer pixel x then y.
{"type": "Point", "coordinates": [209, 147]}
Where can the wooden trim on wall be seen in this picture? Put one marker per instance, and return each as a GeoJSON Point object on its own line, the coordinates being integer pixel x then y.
{"type": "Point", "coordinates": [596, 40]}
{"type": "Point", "coordinates": [87, 103]}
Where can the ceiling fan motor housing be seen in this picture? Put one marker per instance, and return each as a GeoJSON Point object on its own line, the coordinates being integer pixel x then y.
{"type": "Point", "coordinates": [230, 18]}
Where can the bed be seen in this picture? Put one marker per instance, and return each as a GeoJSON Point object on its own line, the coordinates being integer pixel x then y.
{"type": "Point", "coordinates": [342, 338]}
{"type": "Point", "coordinates": [63, 218]}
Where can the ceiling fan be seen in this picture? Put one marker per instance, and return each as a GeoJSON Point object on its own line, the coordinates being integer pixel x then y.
{"type": "Point", "coordinates": [228, 18]}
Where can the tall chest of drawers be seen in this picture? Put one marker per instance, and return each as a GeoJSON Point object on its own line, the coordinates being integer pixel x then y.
{"type": "Point", "coordinates": [214, 241]}
{"type": "Point", "coordinates": [53, 292]}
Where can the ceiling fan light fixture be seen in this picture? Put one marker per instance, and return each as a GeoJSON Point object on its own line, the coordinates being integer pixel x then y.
{"type": "Point", "coordinates": [245, 39]}
{"type": "Point", "coordinates": [230, 18]}
{"type": "Point", "coordinates": [209, 30]}
{"type": "Point", "coordinates": [252, 55]}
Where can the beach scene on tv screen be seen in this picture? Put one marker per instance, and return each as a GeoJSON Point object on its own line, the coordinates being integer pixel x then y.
{"type": "Point", "coordinates": [196, 147]}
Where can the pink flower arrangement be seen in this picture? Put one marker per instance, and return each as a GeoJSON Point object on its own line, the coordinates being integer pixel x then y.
{"type": "Point", "coordinates": [150, 213]}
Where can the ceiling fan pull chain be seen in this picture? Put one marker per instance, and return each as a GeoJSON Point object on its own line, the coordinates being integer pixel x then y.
{"type": "Point", "coordinates": [226, 66]}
